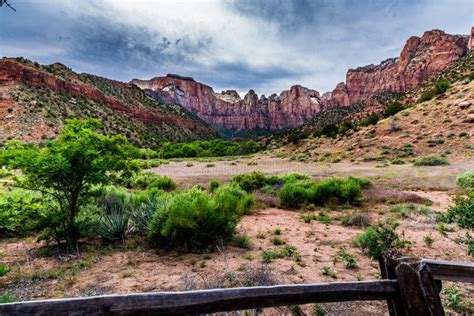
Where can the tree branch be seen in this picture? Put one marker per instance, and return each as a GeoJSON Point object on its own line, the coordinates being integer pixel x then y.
{"type": "Point", "coordinates": [5, 2]}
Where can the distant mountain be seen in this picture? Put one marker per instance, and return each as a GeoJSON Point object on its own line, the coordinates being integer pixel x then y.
{"type": "Point", "coordinates": [36, 99]}
{"type": "Point", "coordinates": [420, 59]}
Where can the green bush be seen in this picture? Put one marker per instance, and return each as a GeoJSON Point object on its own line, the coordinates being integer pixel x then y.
{"type": "Point", "coordinates": [340, 191]}
{"type": "Point", "coordinates": [113, 224]}
{"type": "Point", "coordinates": [431, 161]}
{"type": "Point", "coordinates": [462, 213]}
{"type": "Point", "coordinates": [378, 238]}
{"type": "Point", "coordinates": [22, 212]}
{"type": "Point", "coordinates": [4, 269]}
{"type": "Point", "coordinates": [392, 109]}
{"type": "Point", "coordinates": [466, 180]}
{"type": "Point", "coordinates": [292, 195]}
{"type": "Point", "coordinates": [440, 87]}
{"type": "Point", "coordinates": [214, 185]}
{"type": "Point", "coordinates": [232, 199]}
{"type": "Point", "coordinates": [254, 180]}
{"type": "Point", "coordinates": [148, 180]}
{"type": "Point", "coordinates": [192, 220]}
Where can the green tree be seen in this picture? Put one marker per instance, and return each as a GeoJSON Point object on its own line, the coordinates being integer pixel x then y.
{"type": "Point", "coordinates": [68, 168]}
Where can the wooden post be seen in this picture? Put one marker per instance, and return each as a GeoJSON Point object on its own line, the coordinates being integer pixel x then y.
{"type": "Point", "coordinates": [388, 262]}
{"type": "Point", "coordinates": [418, 289]}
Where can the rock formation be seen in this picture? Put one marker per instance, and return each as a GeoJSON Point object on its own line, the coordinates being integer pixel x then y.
{"type": "Point", "coordinates": [226, 109]}
{"type": "Point", "coordinates": [420, 58]}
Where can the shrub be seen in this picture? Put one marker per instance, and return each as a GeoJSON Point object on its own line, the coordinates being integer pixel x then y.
{"type": "Point", "coordinates": [431, 161]}
{"type": "Point", "coordinates": [292, 195]}
{"type": "Point", "coordinates": [193, 220]}
{"type": "Point", "coordinates": [243, 241]}
{"type": "Point", "coordinates": [113, 224]}
{"type": "Point", "coordinates": [392, 109]}
{"type": "Point", "coordinates": [231, 198]}
{"type": "Point", "coordinates": [355, 218]}
{"type": "Point", "coordinates": [253, 181]}
{"type": "Point", "coordinates": [378, 238]}
{"type": "Point", "coordinates": [7, 298]}
{"type": "Point", "coordinates": [162, 183]}
{"type": "Point", "coordinates": [287, 251]}
{"type": "Point", "coordinates": [3, 269]}
{"type": "Point", "coordinates": [440, 87]}
{"type": "Point", "coordinates": [213, 185]}
{"type": "Point", "coordinates": [466, 180]}
{"type": "Point", "coordinates": [22, 212]}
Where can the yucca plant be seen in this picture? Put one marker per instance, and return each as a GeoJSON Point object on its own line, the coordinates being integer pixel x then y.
{"type": "Point", "coordinates": [113, 224]}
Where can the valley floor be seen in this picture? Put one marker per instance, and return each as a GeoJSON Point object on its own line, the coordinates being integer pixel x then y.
{"type": "Point", "coordinates": [131, 268]}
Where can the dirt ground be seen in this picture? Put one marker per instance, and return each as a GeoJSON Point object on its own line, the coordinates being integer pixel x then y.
{"type": "Point", "coordinates": [100, 269]}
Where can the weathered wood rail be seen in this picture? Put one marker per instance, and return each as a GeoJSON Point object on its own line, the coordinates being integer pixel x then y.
{"type": "Point", "coordinates": [410, 287]}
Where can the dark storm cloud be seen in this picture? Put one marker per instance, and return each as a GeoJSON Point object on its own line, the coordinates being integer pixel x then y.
{"type": "Point", "coordinates": [228, 44]}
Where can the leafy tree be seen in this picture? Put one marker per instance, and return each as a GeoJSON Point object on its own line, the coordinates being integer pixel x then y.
{"type": "Point", "coordinates": [68, 168]}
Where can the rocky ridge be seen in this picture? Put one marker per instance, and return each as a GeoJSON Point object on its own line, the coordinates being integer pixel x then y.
{"type": "Point", "coordinates": [421, 58]}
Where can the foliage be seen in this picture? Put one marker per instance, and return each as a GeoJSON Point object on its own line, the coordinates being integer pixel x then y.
{"type": "Point", "coordinates": [22, 212]}
{"type": "Point", "coordinates": [7, 298]}
{"type": "Point", "coordinates": [431, 161]}
{"type": "Point", "coordinates": [287, 251]}
{"type": "Point", "coordinates": [214, 185]}
{"type": "Point", "coordinates": [380, 237]}
{"type": "Point", "coordinates": [193, 220]}
{"type": "Point", "coordinates": [466, 180]}
{"type": "Point", "coordinates": [243, 241]}
{"type": "Point", "coordinates": [207, 148]}
{"type": "Point", "coordinates": [113, 224]}
{"type": "Point", "coordinates": [336, 190]}
{"type": "Point", "coordinates": [3, 269]}
{"type": "Point", "coordinates": [148, 180]}
{"type": "Point", "coordinates": [66, 169]}
{"type": "Point", "coordinates": [355, 218]}
{"type": "Point", "coordinates": [440, 87]}
{"type": "Point", "coordinates": [392, 109]}
{"type": "Point", "coordinates": [254, 180]}
{"type": "Point", "coordinates": [232, 199]}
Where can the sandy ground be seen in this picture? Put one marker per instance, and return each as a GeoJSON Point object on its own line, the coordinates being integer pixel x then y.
{"type": "Point", "coordinates": [132, 267]}
{"type": "Point", "coordinates": [397, 176]}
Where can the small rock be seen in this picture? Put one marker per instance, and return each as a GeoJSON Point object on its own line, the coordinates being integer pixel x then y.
{"type": "Point", "coordinates": [464, 104]}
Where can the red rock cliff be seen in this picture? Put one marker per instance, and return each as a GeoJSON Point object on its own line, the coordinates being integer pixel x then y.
{"type": "Point", "coordinates": [291, 108]}
{"type": "Point", "coordinates": [420, 58]}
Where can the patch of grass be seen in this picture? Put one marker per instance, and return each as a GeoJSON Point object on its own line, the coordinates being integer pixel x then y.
{"type": "Point", "coordinates": [287, 251]}
{"type": "Point", "coordinates": [243, 241]}
{"type": "Point", "coordinates": [356, 218]}
{"type": "Point", "coordinates": [4, 269]}
{"type": "Point", "coordinates": [428, 240]}
{"type": "Point", "coordinates": [277, 241]}
{"type": "Point", "coordinates": [431, 161]}
{"type": "Point", "coordinates": [327, 271]}
{"type": "Point", "coordinates": [5, 297]}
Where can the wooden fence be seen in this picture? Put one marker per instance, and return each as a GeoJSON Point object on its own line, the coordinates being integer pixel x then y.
{"type": "Point", "coordinates": [410, 287]}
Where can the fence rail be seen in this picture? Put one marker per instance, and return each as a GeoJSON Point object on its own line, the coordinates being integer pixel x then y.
{"type": "Point", "coordinates": [410, 287]}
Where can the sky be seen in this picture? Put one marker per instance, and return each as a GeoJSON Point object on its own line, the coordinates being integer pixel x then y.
{"type": "Point", "coordinates": [264, 45]}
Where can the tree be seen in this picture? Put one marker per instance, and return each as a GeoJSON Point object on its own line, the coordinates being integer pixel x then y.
{"type": "Point", "coordinates": [67, 168]}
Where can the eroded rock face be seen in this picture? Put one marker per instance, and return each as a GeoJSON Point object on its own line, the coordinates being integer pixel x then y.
{"type": "Point", "coordinates": [291, 108]}
{"type": "Point", "coordinates": [421, 58]}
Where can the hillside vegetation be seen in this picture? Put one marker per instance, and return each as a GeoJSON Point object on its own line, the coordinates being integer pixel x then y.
{"type": "Point", "coordinates": [35, 107]}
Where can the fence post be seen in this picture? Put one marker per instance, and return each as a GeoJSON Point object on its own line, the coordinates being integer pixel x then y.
{"type": "Point", "coordinates": [418, 290]}
{"type": "Point", "coordinates": [388, 262]}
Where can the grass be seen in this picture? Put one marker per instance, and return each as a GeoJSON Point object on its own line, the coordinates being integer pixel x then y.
{"type": "Point", "coordinates": [431, 161]}
{"type": "Point", "coordinates": [4, 269]}
{"type": "Point", "coordinates": [287, 251]}
{"type": "Point", "coordinates": [243, 241]}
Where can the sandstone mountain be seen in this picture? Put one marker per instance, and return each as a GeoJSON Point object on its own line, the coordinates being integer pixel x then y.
{"type": "Point", "coordinates": [35, 100]}
{"type": "Point", "coordinates": [291, 108]}
{"type": "Point", "coordinates": [421, 58]}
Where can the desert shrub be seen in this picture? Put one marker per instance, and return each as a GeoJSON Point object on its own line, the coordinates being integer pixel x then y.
{"type": "Point", "coordinates": [213, 185]}
{"type": "Point", "coordinates": [5, 297]}
{"type": "Point", "coordinates": [431, 161]}
{"type": "Point", "coordinates": [144, 180]}
{"type": "Point", "coordinates": [378, 238]}
{"type": "Point", "coordinates": [113, 223]}
{"type": "Point", "coordinates": [22, 211]}
{"type": "Point", "coordinates": [243, 241]}
{"type": "Point", "coordinates": [4, 269]}
{"type": "Point", "coordinates": [355, 218]}
{"type": "Point", "coordinates": [162, 183]}
{"type": "Point", "coordinates": [193, 220]}
{"type": "Point", "coordinates": [293, 194]}
{"type": "Point", "coordinates": [440, 87]}
{"type": "Point", "coordinates": [466, 180]}
{"type": "Point", "coordinates": [372, 119]}
{"type": "Point", "coordinates": [254, 180]}
{"type": "Point", "coordinates": [392, 109]}
{"type": "Point", "coordinates": [287, 251]}
{"type": "Point", "coordinates": [462, 212]}
{"type": "Point", "coordinates": [232, 199]}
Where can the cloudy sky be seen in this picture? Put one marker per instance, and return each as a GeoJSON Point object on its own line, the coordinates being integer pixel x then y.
{"type": "Point", "coordinates": [265, 45]}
